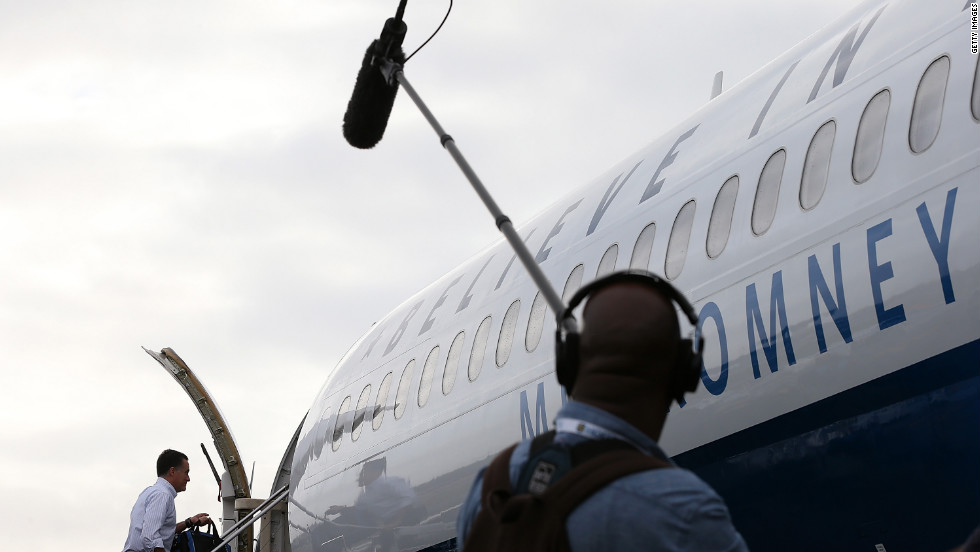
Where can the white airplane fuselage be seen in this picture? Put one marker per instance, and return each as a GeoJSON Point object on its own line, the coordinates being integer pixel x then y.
{"type": "Point", "coordinates": [840, 305]}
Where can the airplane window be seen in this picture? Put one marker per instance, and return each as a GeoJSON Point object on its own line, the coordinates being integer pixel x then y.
{"type": "Point", "coordinates": [870, 137]}
{"type": "Point", "coordinates": [767, 194]}
{"type": "Point", "coordinates": [401, 396]}
{"type": "Point", "coordinates": [680, 236]}
{"type": "Point", "coordinates": [338, 427]}
{"type": "Point", "coordinates": [535, 323]}
{"type": "Point", "coordinates": [360, 412]}
{"type": "Point", "coordinates": [927, 108]}
{"type": "Point", "coordinates": [319, 432]}
{"type": "Point", "coordinates": [643, 248]}
{"type": "Point", "coordinates": [573, 283]}
{"type": "Point", "coordinates": [975, 101]}
{"type": "Point", "coordinates": [428, 370]}
{"type": "Point", "coordinates": [816, 167]}
{"type": "Point", "coordinates": [608, 262]}
{"type": "Point", "coordinates": [720, 224]}
{"type": "Point", "coordinates": [452, 363]}
{"type": "Point", "coordinates": [506, 340]}
{"type": "Point", "coordinates": [379, 405]}
{"type": "Point", "coordinates": [479, 349]}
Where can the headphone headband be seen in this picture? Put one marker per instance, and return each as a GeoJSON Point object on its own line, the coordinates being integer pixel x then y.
{"type": "Point", "coordinates": [638, 276]}
{"type": "Point", "coordinates": [567, 343]}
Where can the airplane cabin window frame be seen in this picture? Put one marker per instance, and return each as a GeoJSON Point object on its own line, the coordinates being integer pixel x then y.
{"type": "Point", "coordinates": [607, 264]}
{"type": "Point", "coordinates": [479, 349]}
{"type": "Point", "coordinates": [453, 356]}
{"type": "Point", "coordinates": [927, 106]}
{"type": "Point", "coordinates": [722, 213]}
{"type": "Point", "coordinates": [508, 328]}
{"type": "Point", "coordinates": [573, 283]}
{"type": "Point", "coordinates": [360, 413]}
{"type": "Point", "coordinates": [404, 387]}
{"type": "Point", "coordinates": [535, 323]}
{"type": "Point", "coordinates": [428, 372]}
{"type": "Point", "coordinates": [643, 247]}
{"type": "Point", "coordinates": [767, 189]}
{"type": "Point", "coordinates": [379, 403]}
{"type": "Point", "coordinates": [816, 165]}
{"type": "Point", "coordinates": [869, 141]}
{"type": "Point", "coordinates": [680, 240]}
{"type": "Point", "coordinates": [337, 436]}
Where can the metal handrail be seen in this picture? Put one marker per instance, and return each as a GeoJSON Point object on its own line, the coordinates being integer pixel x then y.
{"type": "Point", "coordinates": [253, 516]}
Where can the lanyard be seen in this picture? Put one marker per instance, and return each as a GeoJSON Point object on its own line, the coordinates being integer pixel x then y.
{"type": "Point", "coordinates": [588, 430]}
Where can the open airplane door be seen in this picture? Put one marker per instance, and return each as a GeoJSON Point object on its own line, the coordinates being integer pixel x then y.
{"type": "Point", "coordinates": [224, 442]}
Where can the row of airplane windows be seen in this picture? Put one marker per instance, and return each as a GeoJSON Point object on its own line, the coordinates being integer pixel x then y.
{"type": "Point", "coordinates": [924, 125]}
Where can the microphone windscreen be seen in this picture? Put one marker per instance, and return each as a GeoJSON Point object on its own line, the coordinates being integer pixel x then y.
{"type": "Point", "coordinates": [371, 102]}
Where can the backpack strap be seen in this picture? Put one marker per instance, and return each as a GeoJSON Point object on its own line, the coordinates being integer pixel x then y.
{"type": "Point", "coordinates": [497, 487]}
{"type": "Point", "coordinates": [484, 532]}
{"type": "Point", "coordinates": [587, 478]}
{"type": "Point", "coordinates": [502, 523]}
{"type": "Point", "coordinates": [545, 462]}
{"type": "Point", "coordinates": [496, 484]}
{"type": "Point", "coordinates": [548, 462]}
{"type": "Point", "coordinates": [541, 442]}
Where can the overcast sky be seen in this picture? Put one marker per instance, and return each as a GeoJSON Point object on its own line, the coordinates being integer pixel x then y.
{"type": "Point", "coordinates": [172, 174]}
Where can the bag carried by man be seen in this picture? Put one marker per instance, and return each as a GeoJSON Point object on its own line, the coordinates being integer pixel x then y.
{"type": "Point", "coordinates": [553, 482]}
{"type": "Point", "coordinates": [194, 540]}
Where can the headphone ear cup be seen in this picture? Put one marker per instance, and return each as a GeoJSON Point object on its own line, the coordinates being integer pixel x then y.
{"type": "Point", "coordinates": [560, 357]}
{"type": "Point", "coordinates": [687, 370]}
{"type": "Point", "coordinates": [566, 359]}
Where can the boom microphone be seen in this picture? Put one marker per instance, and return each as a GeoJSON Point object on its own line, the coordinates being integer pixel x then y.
{"type": "Point", "coordinates": [366, 119]}
{"type": "Point", "coordinates": [373, 97]}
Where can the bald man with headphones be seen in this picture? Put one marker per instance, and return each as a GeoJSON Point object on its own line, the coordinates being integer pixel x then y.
{"type": "Point", "coordinates": [601, 470]}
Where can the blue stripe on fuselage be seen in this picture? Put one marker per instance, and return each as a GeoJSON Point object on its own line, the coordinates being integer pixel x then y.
{"type": "Point", "coordinates": [893, 462]}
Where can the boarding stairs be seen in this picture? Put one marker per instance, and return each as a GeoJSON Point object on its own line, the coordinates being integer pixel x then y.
{"type": "Point", "coordinates": [253, 516]}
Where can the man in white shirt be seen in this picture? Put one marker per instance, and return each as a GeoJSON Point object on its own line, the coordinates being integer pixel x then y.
{"type": "Point", "coordinates": [153, 521]}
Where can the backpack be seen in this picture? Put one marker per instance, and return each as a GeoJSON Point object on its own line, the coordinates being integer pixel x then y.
{"type": "Point", "coordinates": [553, 482]}
{"type": "Point", "coordinates": [193, 540]}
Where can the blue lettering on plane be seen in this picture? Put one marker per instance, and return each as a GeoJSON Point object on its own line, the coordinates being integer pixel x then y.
{"type": "Point", "coordinates": [887, 317]}
{"type": "Point", "coordinates": [611, 192]}
{"type": "Point", "coordinates": [825, 285]}
{"type": "Point", "coordinates": [772, 98]}
{"type": "Point", "coordinates": [711, 310]}
{"type": "Point", "coordinates": [511, 262]}
{"type": "Point", "coordinates": [843, 55]}
{"type": "Point", "coordinates": [402, 327]}
{"type": "Point", "coordinates": [543, 253]}
{"type": "Point", "coordinates": [836, 306]}
{"type": "Point", "coordinates": [653, 188]}
{"type": "Point", "coordinates": [755, 325]}
{"type": "Point", "coordinates": [374, 342]}
{"type": "Point", "coordinates": [940, 244]}
{"type": "Point", "coordinates": [430, 320]}
{"type": "Point", "coordinates": [540, 422]}
{"type": "Point", "coordinates": [467, 297]}
{"type": "Point", "coordinates": [531, 427]}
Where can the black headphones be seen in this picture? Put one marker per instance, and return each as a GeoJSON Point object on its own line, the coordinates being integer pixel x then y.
{"type": "Point", "coordinates": [687, 368]}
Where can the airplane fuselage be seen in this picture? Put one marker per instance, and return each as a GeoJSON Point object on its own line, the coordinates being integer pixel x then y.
{"type": "Point", "coordinates": [821, 217]}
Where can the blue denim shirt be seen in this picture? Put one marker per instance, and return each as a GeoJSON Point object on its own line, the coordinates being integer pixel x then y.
{"type": "Point", "coordinates": [663, 510]}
